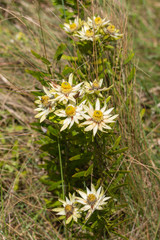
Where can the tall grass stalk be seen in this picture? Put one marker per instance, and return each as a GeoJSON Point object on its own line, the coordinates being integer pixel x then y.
{"type": "Point", "coordinates": [63, 9]}
{"type": "Point", "coordinates": [61, 167]}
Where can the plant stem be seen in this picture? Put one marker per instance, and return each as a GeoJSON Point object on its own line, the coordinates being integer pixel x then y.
{"type": "Point", "coordinates": [63, 9]}
{"type": "Point", "coordinates": [61, 167]}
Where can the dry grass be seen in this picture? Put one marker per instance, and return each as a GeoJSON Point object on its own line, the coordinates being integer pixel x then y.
{"type": "Point", "coordinates": [23, 215]}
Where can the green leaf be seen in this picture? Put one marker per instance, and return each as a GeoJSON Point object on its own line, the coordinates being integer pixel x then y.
{"type": "Point", "coordinates": [119, 171]}
{"type": "Point", "coordinates": [142, 113]}
{"type": "Point", "coordinates": [119, 235]}
{"type": "Point", "coordinates": [16, 184]}
{"type": "Point", "coordinates": [54, 185]}
{"type": "Point", "coordinates": [69, 58]}
{"type": "Point", "coordinates": [89, 171]}
{"type": "Point", "coordinates": [53, 131]}
{"type": "Point", "coordinates": [94, 224]}
{"type": "Point", "coordinates": [117, 161]}
{"type": "Point", "coordinates": [38, 75]}
{"type": "Point", "coordinates": [129, 58]}
{"type": "Point", "coordinates": [37, 93]}
{"type": "Point", "coordinates": [109, 47]}
{"type": "Point", "coordinates": [59, 51]}
{"type": "Point", "coordinates": [108, 99]}
{"type": "Point", "coordinates": [117, 142]}
{"type": "Point", "coordinates": [111, 152]}
{"type": "Point", "coordinates": [43, 59]}
{"type": "Point", "coordinates": [118, 186]}
{"type": "Point", "coordinates": [67, 70]}
{"type": "Point", "coordinates": [131, 75]}
{"type": "Point", "coordinates": [79, 174]}
{"type": "Point", "coordinates": [76, 157]}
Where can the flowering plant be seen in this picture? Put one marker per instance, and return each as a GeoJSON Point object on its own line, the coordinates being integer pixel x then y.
{"type": "Point", "coordinates": [79, 129]}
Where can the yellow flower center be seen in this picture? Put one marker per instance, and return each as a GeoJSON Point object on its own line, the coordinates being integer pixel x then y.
{"type": "Point", "coordinates": [91, 199]}
{"type": "Point", "coordinates": [111, 28]}
{"type": "Point", "coordinates": [70, 111]}
{"type": "Point", "coordinates": [89, 33]}
{"type": "Point", "coordinates": [73, 26]}
{"type": "Point", "coordinates": [97, 116]}
{"type": "Point", "coordinates": [68, 210]}
{"type": "Point", "coordinates": [44, 100]}
{"type": "Point", "coordinates": [95, 84]}
{"type": "Point", "coordinates": [98, 20]}
{"type": "Point", "coordinates": [66, 87]}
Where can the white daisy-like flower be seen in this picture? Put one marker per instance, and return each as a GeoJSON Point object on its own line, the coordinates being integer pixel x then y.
{"type": "Point", "coordinates": [72, 114]}
{"type": "Point", "coordinates": [113, 32]}
{"type": "Point", "coordinates": [68, 210]}
{"type": "Point", "coordinates": [87, 33]}
{"type": "Point", "coordinates": [72, 26]}
{"type": "Point", "coordinates": [95, 87]}
{"type": "Point", "coordinates": [92, 200]}
{"type": "Point", "coordinates": [97, 22]}
{"type": "Point", "coordinates": [97, 119]}
{"type": "Point", "coordinates": [44, 105]}
{"type": "Point", "coordinates": [65, 92]}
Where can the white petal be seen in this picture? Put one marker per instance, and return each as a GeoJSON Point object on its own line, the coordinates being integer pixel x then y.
{"type": "Point", "coordinates": [61, 213]}
{"type": "Point", "coordinates": [70, 79]}
{"type": "Point", "coordinates": [62, 201]}
{"type": "Point", "coordinates": [99, 190]}
{"type": "Point", "coordinates": [97, 104]}
{"type": "Point", "coordinates": [43, 118]}
{"type": "Point", "coordinates": [85, 108]}
{"type": "Point", "coordinates": [100, 82]}
{"type": "Point", "coordinates": [108, 111]}
{"type": "Point", "coordinates": [106, 198]}
{"type": "Point", "coordinates": [87, 122]}
{"type": "Point", "coordinates": [88, 191]}
{"type": "Point", "coordinates": [83, 195]}
{"type": "Point", "coordinates": [67, 201]}
{"type": "Point", "coordinates": [77, 87]}
{"type": "Point", "coordinates": [91, 107]}
{"type": "Point", "coordinates": [90, 112]}
{"type": "Point", "coordinates": [76, 119]}
{"type": "Point", "coordinates": [106, 126]}
{"type": "Point", "coordinates": [85, 208]}
{"type": "Point", "coordinates": [113, 117]}
{"type": "Point", "coordinates": [64, 127]}
{"type": "Point", "coordinates": [99, 208]}
{"type": "Point", "coordinates": [69, 219]}
{"type": "Point", "coordinates": [104, 108]}
{"type": "Point", "coordinates": [100, 127]}
{"type": "Point", "coordinates": [71, 124]}
{"type": "Point", "coordinates": [80, 200]}
{"type": "Point", "coordinates": [46, 91]}
{"type": "Point", "coordinates": [89, 128]}
{"type": "Point", "coordinates": [95, 130]}
{"type": "Point", "coordinates": [75, 218]}
{"type": "Point", "coordinates": [86, 116]}
{"type": "Point", "coordinates": [93, 189]}
{"type": "Point", "coordinates": [60, 113]}
{"type": "Point", "coordinates": [58, 209]}
{"type": "Point", "coordinates": [39, 114]}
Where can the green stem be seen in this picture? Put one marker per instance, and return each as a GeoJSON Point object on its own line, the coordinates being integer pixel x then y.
{"type": "Point", "coordinates": [63, 9]}
{"type": "Point", "coordinates": [61, 167]}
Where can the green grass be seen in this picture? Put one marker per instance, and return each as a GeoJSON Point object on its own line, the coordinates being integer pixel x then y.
{"type": "Point", "coordinates": [23, 212]}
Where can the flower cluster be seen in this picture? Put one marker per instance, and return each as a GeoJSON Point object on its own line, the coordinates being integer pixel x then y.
{"type": "Point", "coordinates": [92, 29]}
{"type": "Point", "coordinates": [92, 200]}
{"type": "Point", "coordinates": [65, 101]}
{"type": "Point", "coordinates": [83, 105]}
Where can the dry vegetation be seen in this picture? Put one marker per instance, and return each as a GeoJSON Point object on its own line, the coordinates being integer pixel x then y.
{"type": "Point", "coordinates": [23, 212]}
